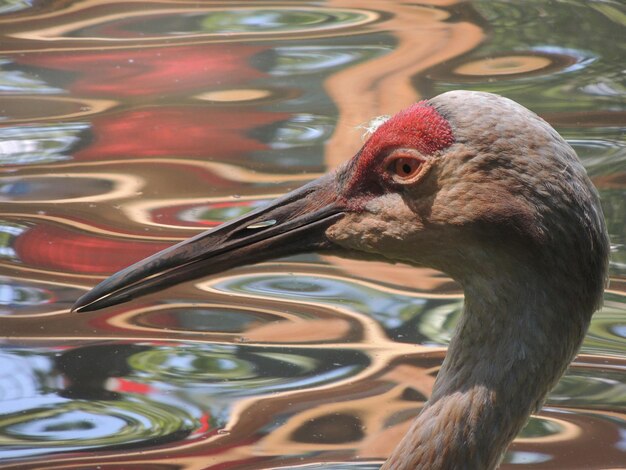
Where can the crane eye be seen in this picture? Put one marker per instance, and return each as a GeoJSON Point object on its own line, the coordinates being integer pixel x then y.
{"type": "Point", "coordinates": [405, 168]}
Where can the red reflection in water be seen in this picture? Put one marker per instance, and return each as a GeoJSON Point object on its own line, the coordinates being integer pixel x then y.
{"type": "Point", "coordinates": [51, 247]}
{"type": "Point", "coordinates": [143, 72]}
{"type": "Point", "coordinates": [159, 115]}
{"type": "Point", "coordinates": [187, 131]}
{"type": "Point", "coordinates": [130, 386]}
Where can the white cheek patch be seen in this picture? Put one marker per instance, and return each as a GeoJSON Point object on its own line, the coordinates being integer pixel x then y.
{"type": "Point", "coordinates": [370, 127]}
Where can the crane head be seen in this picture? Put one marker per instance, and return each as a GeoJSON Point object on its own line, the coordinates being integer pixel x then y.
{"type": "Point", "coordinates": [458, 183]}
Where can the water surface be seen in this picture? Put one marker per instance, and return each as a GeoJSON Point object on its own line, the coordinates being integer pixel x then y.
{"type": "Point", "coordinates": [127, 126]}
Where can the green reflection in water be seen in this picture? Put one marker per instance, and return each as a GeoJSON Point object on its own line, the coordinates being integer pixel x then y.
{"type": "Point", "coordinates": [260, 20]}
{"type": "Point", "coordinates": [302, 130]}
{"type": "Point", "coordinates": [603, 152]}
{"type": "Point", "coordinates": [7, 6]}
{"type": "Point", "coordinates": [591, 389]}
{"type": "Point", "coordinates": [38, 425]}
{"type": "Point", "coordinates": [210, 319]}
{"type": "Point", "coordinates": [540, 427]}
{"type": "Point", "coordinates": [315, 59]}
{"type": "Point", "coordinates": [407, 318]}
{"type": "Point", "coordinates": [518, 457]}
{"type": "Point", "coordinates": [221, 213]}
{"type": "Point", "coordinates": [607, 333]}
{"type": "Point", "coordinates": [170, 364]}
{"type": "Point", "coordinates": [570, 38]}
{"type": "Point", "coordinates": [224, 370]}
{"type": "Point", "coordinates": [9, 231]}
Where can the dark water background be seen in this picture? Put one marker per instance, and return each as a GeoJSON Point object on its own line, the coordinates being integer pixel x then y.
{"type": "Point", "coordinates": [126, 126]}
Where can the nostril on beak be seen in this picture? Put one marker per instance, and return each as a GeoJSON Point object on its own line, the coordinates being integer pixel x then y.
{"type": "Point", "coordinates": [262, 224]}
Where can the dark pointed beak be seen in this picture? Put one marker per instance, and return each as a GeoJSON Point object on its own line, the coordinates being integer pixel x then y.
{"type": "Point", "coordinates": [294, 223]}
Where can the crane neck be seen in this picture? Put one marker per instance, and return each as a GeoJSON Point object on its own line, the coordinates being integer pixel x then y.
{"type": "Point", "coordinates": [513, 342]}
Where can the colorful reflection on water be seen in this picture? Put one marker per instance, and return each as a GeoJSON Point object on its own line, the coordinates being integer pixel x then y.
{"type": "Point", "coordinates": [126, 126]}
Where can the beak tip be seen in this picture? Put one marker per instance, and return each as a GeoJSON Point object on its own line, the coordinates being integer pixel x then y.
{"type": "Point", "coordinates": [76, 308]}
{"type": "Point", "coordinates": [83, 303]}
{"type": "Point", "coordinates": [92, 301]}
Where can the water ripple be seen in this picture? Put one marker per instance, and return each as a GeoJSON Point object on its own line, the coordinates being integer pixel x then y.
{"type": "Point", "coordinates": [49, 423]}
{"type": "Point", "coordinates": [236, 22]}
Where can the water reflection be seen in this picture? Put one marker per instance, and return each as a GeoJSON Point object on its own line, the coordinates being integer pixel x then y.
{"type": "Point", "coordinates": [145, 394]}
{"type": "Point", "coordinates": [14, 81]}
{"type": "Point", "coordinates": [41, 144]}
{"type": "Point", "coordinates": [60, 249]}
{"type": "Point", "coordinates": [213, 214]}
{"type": "Point", "coordinates": [184, 22]}
{"type": "Point", "coordinates": [243, 20]}
{"type": "Point", "coordinates": [19, 297]}
{"type": "Point", "coordinates": [10, 231]}
{"type": "Point", "coordinates": [301, 60]}
{"type": "Point", "coordinates": [406, 317]}
{"type": "Point", "coordinates": [61, 425]}
{"type": "Point", "coordinates": [127, 127]}
{"type": "Point", "coordinates": [81, 414]}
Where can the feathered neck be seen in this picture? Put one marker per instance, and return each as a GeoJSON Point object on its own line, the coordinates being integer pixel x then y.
{"type": "Point", "coordinates": [514, 341]}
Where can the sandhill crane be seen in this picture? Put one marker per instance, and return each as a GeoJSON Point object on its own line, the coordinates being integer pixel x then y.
{"type": "Point", "coordinates": [469, 183]}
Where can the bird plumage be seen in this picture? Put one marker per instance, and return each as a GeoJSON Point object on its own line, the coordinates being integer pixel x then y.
{"type": "Point", "coordinates": [472, 184]}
